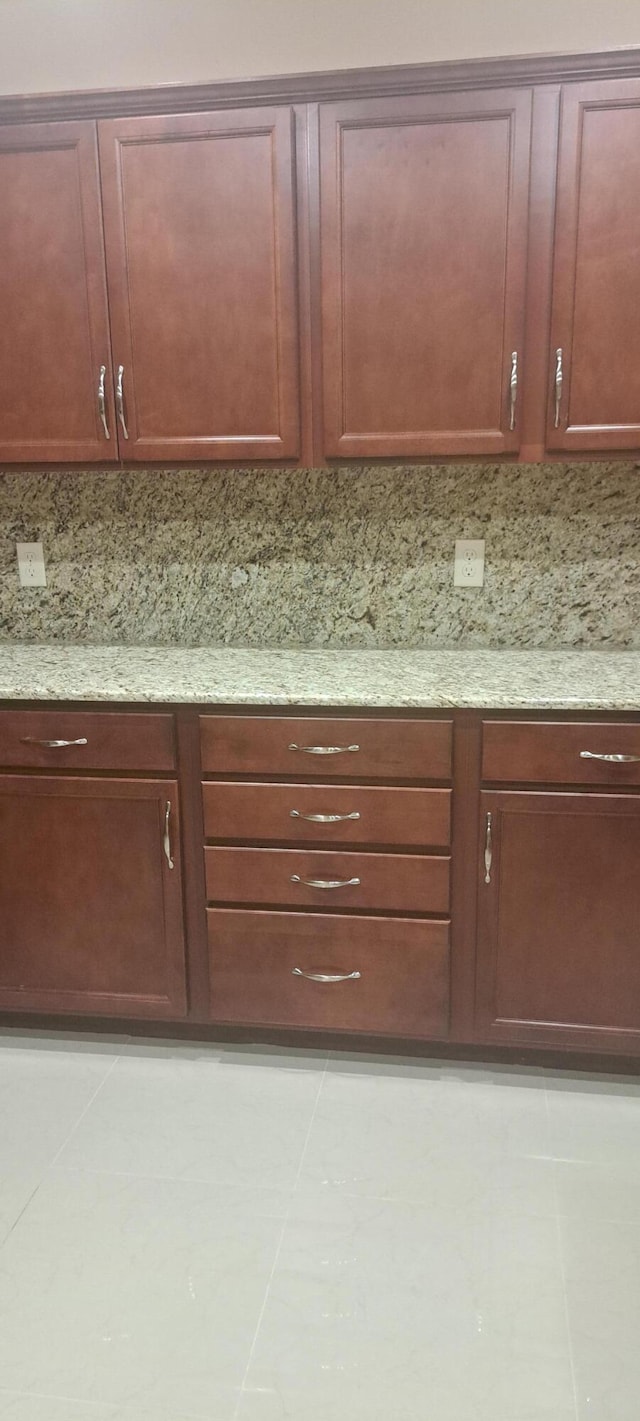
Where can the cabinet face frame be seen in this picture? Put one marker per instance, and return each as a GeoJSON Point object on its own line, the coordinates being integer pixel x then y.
{"type": "Point", "coordinates": [514, 106]}
{"type": "Point", "coordinates": [578, 102]}
{"type": "Point", "coordinates": [491, 1025]}
{"type": "Point", "coordinates": [277, 126]}
{"type": "Point", "coordinates": [93, 353]}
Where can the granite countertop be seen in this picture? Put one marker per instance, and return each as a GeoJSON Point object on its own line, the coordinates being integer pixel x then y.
{"type": "Point", "coordinates": [518, 680]}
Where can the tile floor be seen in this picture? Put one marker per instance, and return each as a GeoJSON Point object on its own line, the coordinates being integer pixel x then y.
{"type": "Point", "coordinates": [194, 1233]}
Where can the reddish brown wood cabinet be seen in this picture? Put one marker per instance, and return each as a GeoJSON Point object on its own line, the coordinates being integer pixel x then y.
{"type": "Point", "coordinates": [91, 896]}
{"type": "Point", "coordinates": [424, 207]}
{"type": "Point", "coordinates": [595, 333]}
{"type": "Point", "coordinates": [56, 388]}
{"type": "Point", "coordinates": [559, 919]}
{"type": "Point", "coordinates": [447, 265]}
{"type": "Point", "coordinates": [200, 230]}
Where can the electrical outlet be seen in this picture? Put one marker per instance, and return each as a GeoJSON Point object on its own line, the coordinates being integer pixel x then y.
{"type": "Point", "coordinates": [31, 565]}
{"type": "Point", "coordinates": [468, 568]}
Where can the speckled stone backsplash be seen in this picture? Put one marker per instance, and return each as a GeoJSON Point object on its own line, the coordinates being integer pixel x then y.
{"type": "Point", "coordinates": [359, 557]}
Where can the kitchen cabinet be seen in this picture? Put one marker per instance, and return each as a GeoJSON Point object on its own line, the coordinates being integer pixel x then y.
{"type": "Point", "coordinates": [558, 921]}
{"type": "Point", "coordinates": [595, 335]}
{"type": "Point", "coordinates": [201, 256]}
{"type": "Point", "coordinates": [56, 388]}
{"type": "Point", "coordinates": [424, 212]}
{"type": "Point", "coordinates": [91, 896]}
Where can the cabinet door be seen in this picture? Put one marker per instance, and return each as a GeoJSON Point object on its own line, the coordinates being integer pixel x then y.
{"type": "Point", "coordinates": [90, 909]}
{"type": "Point", "coordinates": [424, 237]}
{"type": "Point", "coordinates": [199, 226]}
{"type": "Point", "coordinates": [54, 328]}
{"type": "Point", "coordinates": [595, 332]}
{"type": "Point", "coordinates": [559, 921]}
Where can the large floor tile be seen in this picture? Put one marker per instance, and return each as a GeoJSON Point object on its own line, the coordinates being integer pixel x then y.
{"type": "Point", "coordinates": [136, 1292]}
{"type": "Point", "coordinates": [42, 1096]}
{"type": "Point", "coordinates": [594, 1190]}
{"type": "Point", "coordinates": [187, 1120]}
{"type": "Point", "coordinates": [595, 1121]}
{"type": "Point", "coordinates": [602, 1269]}
{"type": "Point", "coordinates": [435, 1141]}
{"type": "Point", "coordinates": [385, 1309]}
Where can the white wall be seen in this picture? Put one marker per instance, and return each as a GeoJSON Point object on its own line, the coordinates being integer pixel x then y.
{"type": "Point", "coordinates": [83, 44]}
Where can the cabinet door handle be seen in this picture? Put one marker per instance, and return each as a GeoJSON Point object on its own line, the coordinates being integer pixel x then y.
{"type": "Point", "coordinates": [559, 380]}
{"type": "Point", "coordinates": [326, 976]}
{"type": "Point", "coordinates": [166, 840]}
{"type": "Point", "coordinates": [52, 744]}
{"type": "Point", "coordinates": [488, 851]}
{"type": "Point", "coordinates": [326, 749]}
{"type": "Point", "coordinates": [102, 403]}
{"type": "Point", "coordinates": [120, 401]}
{"type": "Point", "coordinates": [324, 818]}
{"type": "Point", "coordinates": [611, 759]}
{"type": "Point", "coordinates": [513, 389]}
{"type": "Point", "coordinates": [326, 882]}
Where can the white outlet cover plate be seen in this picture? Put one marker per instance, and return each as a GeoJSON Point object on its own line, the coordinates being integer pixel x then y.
{"type": "Point", "coordinates": [31, 565]}
{"type": "Point", "coordinates": [468, 568]}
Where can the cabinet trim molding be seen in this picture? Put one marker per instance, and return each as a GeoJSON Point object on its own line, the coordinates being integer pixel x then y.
{"type": "Point", "coordinates": [372, 82]}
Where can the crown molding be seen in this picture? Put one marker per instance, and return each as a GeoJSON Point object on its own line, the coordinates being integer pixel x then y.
{"type": "Point", "coordinates": [324, 86]}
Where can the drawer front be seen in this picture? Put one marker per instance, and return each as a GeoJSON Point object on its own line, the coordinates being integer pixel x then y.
{"type": "Point", "coordinates": [388, 883]}
{"type": "Point", "coordinates": [351, 749]}
{"type": "Point", "coordinates": [556, 752]}
{"type": "Point", "coordinates": [258, 963]}
{"type": "Point", "coordinates": [97, 741]}
{"type": "Point", "coordinates": [343, 814]}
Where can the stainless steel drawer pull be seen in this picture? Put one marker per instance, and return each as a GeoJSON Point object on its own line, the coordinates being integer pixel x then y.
{"type": "Point", "coordinates": [611, 759]}
{"type": "Point", "coordinates": [326, 976]}
{"type": "Point", "coordinates": [326, 749]}
{"type": "Point", "coordinates": [52, 744]}
{"type": "Point", "coordinates": [120, 401]}
{"type": "Point", "coordinates": [102, 404]}
{"type": "Point", "coordinates": [513, 390]}
{"type": "Point", "coordinates": [166, 841]}
{"type": "Point", "coordinates": [488, 851]}
{"type": "Point", "coordinates": [326, 882]}
{"type": "Point", "coordinates": [324, 818]}
{"type": "Point", "coordinates": [559, 383]}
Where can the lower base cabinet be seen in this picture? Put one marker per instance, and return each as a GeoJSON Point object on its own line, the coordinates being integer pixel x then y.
{"type": "Point", "coordinates": [336, 973]}
{"type": "Point", "coordinates": [91, 897]}
{"type": "Point", "coordinates": [559, 921]}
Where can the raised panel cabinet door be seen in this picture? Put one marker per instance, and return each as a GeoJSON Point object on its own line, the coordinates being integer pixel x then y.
{"type": "Point", "coordinates": [200, 233]}
{"type": "Point", "coordinates": [559, 920]}
{"type": "Point", "coordinates": [90, 907]}
{"type": "Point", "coordinates": [594, 375]}
{"type": "Point", "coordinates": [424, 217]}
{"type": "Point", "coordinates": [56, 389]}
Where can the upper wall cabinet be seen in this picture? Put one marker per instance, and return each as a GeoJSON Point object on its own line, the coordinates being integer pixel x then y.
{"type": "Point", "coordinates": [424, 209]}
{"type": "Point", "coordinates": [201, 258]}
{"type": "Point", "coordinates": [56, 394]}
{"type": "Point", "coordinates": [595, 332]}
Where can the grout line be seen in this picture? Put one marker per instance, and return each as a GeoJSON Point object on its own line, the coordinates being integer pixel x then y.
{"type": "Point", "coordinates": [51, 1163]}
{"type": "Point", "coordinates": [574, 1380]}
{"type": "Point", "coordinates": [280, 1241]}
{"type": "Point", "coordinates": [82, 1114]}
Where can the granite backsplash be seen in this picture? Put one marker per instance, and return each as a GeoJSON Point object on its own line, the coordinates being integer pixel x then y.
{"type": "Point", "coordinates": [354, 557]}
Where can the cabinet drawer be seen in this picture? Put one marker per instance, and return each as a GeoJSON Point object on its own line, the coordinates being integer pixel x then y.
{"type": "Point", "coordinates": [343, 814]}
{"type": "Point", "coordinates": [97, 741]}
{"type": "Point", "coordinates": [558, 752]}
{"type": "Point", "coordinates": [258, 961]}
{"type": "Point", "coordinates": [351, 749]}
{"type": "Point", "coordinates": [391, 883]}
